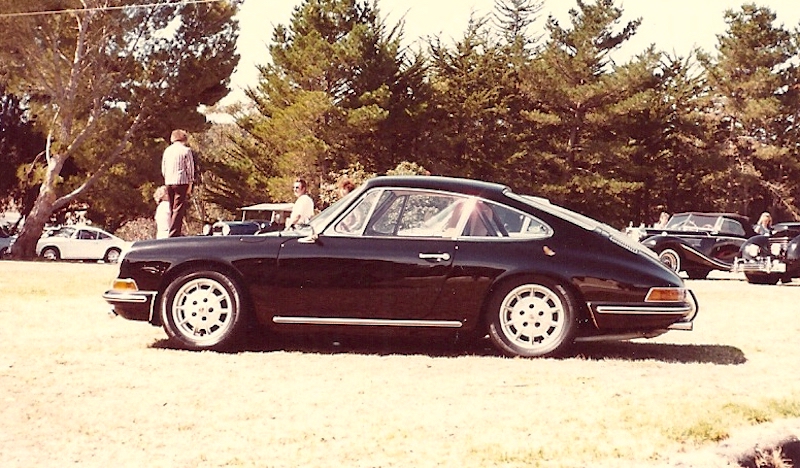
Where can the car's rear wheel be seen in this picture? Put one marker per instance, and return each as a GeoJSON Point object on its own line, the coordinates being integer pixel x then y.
{"type": "Point", "coordinates": [762, 278]}
{"type": "Point", "coordinates": [51, 253]}
{"type": "Point", "coordinates": [532, 318]}
{"type": "Point", "coordinates": [112, 255]}
{"type": "Point", "coordinates": [202, 309]}
{"type": "Point", "coordinates": [671, 259]}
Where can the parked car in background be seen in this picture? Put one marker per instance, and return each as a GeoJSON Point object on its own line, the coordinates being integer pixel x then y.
{"type": "Point", "coordinates": [80, 243]}
{"type": "Point", "coordinates": [420, 253]}
{"type": "Point", "coordinates": [767, 259]}
{"type": "Point", "coordinates": [263, 217]}
{"type": "Point", "coordinates": [6, 240]}
{"type": "Point", "coordinates": [698, 243]}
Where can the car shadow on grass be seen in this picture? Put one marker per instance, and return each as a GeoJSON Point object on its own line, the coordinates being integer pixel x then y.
{"type": "Point", "coordinates": [676, 353]}
{"type": "Point", "coordinates": [440, 347]}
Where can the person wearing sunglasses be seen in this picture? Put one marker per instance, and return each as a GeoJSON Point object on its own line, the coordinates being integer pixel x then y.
{"type": "Point", "coordinates": [303, 208]}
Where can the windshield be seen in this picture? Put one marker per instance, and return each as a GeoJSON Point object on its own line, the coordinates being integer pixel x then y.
{"type": "Point", "coordinates": [323, 218]}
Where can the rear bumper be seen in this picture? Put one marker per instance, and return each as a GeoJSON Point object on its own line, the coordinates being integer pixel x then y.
{"type": "Point", "coordinates": [646, 315]}
{"type": "Point", "coordinates": [130, 305]}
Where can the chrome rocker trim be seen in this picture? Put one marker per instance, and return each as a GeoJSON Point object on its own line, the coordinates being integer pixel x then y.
{"type": "Point", "coordinates": [366, 322]}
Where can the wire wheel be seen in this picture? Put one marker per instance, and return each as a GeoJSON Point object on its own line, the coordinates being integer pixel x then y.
{"type": "Point", "coordinates": [671, 259]}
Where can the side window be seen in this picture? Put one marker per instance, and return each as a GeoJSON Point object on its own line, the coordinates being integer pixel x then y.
{"type": "Point", "coordinates": [494, 220]}
{"type": "Point", "coordinates": [730, 226]}
{"type": "Point", "coordinates": [87, 235]}
{"type": "Point", "coordinates": [103, 236]}
{"type": "Point", "coordinates": [417, 214]}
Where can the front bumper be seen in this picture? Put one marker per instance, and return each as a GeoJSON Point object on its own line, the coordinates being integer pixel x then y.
{"type": "Point", "coordinates": [131, 305]}
{"type": "Point", "coordinates": [761, 265]}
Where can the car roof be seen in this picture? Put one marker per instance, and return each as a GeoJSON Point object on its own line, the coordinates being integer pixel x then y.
{"type": "Point", "coordinates": [452, 184]}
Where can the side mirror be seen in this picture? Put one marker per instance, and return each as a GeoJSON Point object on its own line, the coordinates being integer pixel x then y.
{"type": "Point", "coordinates": [311, 239]}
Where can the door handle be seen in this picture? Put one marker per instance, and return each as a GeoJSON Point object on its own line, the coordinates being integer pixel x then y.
{"type": "Point", "coordinates": [439, 257]}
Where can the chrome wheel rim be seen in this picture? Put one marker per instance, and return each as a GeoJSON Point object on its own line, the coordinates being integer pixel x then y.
{"type": "Point", "coordinates": [671, 259]}
{"type": "Point", "coordinates": [532, 317]}
{"type": "Point", "coordinates": [50, 254]}
{"type": "Point", "coordinates": [112, 256]}
{"type": "Point", "coordinates": [202, 310]}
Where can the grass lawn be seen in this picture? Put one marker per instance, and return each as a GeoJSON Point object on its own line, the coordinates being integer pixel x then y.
{"type": "Point", "coordinates": [79, 387]}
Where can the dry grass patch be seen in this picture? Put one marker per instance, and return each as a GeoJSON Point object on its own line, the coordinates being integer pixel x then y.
{"type": "Point", "coordinates": [80, 387]}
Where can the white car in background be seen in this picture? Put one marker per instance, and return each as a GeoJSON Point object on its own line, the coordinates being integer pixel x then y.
{"type": "Point", "coordinates": [80, 243]}
{"type": "Point", "coordinates": [5, 242]}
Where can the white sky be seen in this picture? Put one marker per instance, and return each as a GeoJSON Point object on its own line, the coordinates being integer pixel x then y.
{"type": "Point", "coordinates": [673, 25]}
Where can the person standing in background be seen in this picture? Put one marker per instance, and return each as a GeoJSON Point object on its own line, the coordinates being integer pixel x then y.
{"type": "Point", "coordinates": [303, 208]}
{"type": "Point", "coordinates": [163, 214]}
{"type": "Point", "coordinates": [177, 167]}
{"type": "Point", "coordinates": [764, 225]}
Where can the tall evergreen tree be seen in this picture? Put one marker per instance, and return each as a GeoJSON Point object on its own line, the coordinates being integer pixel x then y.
{"type": "Point", "coordinates": [578, 96]}
{"type": "Point", "coordinates": [340, 90]}
{"type": "Point", "coordinates": [747, 79]}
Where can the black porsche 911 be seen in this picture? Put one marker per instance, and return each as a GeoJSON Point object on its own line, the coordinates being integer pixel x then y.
{"type": "Point", "coordinates": [419, 253]}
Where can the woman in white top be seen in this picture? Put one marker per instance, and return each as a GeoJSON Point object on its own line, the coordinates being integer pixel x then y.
{"type": "Point", "coordinates": [303, 208]}
{"type": "Point", "coordinates": [163, 212]}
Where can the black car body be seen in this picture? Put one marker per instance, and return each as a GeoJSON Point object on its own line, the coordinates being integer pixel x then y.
{"type": "Point", "coordinates": [698, 243]}
{"type": "Point", "coordinates": [421, 253]}
{"type": "Point", "coordinates": [767, 259]}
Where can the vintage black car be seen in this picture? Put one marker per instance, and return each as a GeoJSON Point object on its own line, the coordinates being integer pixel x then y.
{"type": "Point", "coordinates": [260, 218]}
{"type": "Point", "coordinates": [698, 243]}
{"type": "Point", "coordinates": [419, 253]}
{"type": "Point", "coordinates": [767, 259]}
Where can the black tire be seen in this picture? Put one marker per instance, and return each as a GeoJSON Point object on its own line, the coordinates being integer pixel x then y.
{"type": "Point", "coordinates": [697, 273]}
{"type": "Point", "coordinates": [202, 310]}
{"type": "Point", "coordinates": [4, 253]}
{"type": "Point", "coordinates": [762, 278]}
{"type": "Point", "coordinates": [112, 255]}
{"type": "Point", "coordinates": [532, 317]}
{"type": "Point", "coordinates": [671, 258]}
{"type": "Point", "coordinates": [51, 253]}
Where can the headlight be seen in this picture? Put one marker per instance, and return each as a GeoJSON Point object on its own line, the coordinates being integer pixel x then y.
{"type": "Point", "coordinates": [226, 229]}
{"type": "Point", "coordinates": [776, 249]}
{"type": "Point", "coordinates": [752, 250]}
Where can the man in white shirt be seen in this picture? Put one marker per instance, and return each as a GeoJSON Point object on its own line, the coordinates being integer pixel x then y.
{"type": "Point", "coordinates": [177, 167]}
{"type": "Point", "coordinates": [303, 208]}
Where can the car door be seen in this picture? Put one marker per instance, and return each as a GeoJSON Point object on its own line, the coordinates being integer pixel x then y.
{"type": "Point", "coordinates": [85, 245]}
{"type": "Point", "coordinates": [389, 270]}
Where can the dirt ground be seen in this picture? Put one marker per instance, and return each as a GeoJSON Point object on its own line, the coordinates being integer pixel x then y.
{"type": "Point", "coordinates": [81, 388]}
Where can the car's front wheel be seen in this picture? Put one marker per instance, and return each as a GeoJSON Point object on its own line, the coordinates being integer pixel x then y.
{"type": "Point", "coordinates": [671, 259]}
{"type": "Point", "coordinates": [202, 309]}
{"type": "Point", "coordinates": [532, 318]}
{"type": "Point", "coordinates": [51, 253]}
{"type": "Point", "coordinates": [112, 255]}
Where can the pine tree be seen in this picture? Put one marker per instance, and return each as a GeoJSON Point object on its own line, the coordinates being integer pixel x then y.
{"type": "Point", "coordinates": [340, 90]}
{"type": "Point", "coordinates": [750, 89]}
